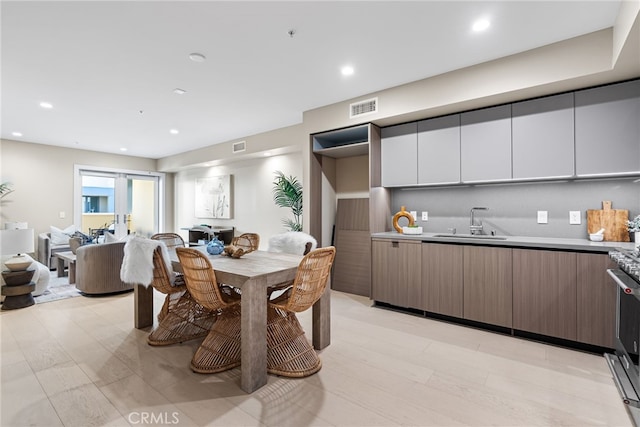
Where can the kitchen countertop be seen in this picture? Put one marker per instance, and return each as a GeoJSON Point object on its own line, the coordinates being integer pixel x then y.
{"type": "Point", "coordinates": [511, 241]}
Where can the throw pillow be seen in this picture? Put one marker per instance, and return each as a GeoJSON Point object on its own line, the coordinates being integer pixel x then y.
{"type": "Point", "coordinates": [110, 238]}
{"type": "Point", "coordinates": [61, 237]}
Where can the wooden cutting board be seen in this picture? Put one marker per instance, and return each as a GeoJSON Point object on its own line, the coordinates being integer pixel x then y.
{"type": "Point", "coordinates": [614, 222]}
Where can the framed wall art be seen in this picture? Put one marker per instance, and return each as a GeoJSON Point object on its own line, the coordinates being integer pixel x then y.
{"type": "Point", "coordinates": [213, 197]}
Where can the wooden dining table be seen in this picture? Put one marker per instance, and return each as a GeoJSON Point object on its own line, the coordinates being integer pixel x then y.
{"type": "Point", "coordinates": [253, 273]}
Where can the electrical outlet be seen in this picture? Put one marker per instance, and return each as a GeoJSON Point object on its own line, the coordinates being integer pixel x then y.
{"type": "Point", "coordinates": [543, 217]}
{"type": "Point", "coordinates": [574, 217]}
{"type": "Point", "coordinates": [414, 214]}
{"type": "Point", "coordinates": [63, 215]}
{"type": "Point", "coordinates": [425, 216]}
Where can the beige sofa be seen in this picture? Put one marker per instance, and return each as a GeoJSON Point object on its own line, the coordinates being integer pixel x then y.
{"type": "Point", "coordinates": [46, 250]}
{"type": "Point", "coordinates": [98, 268]}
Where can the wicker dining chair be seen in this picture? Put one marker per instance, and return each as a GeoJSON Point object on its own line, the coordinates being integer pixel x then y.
{"type": "Point", "coordinates": [182, 318]}
{"type": "Point", "coordinates": [220, 350]}
{"type": "Point", "coordinates": [249, 242]}
{"type": "Point", "coordinates": [172, 241]}
{"type": "Point", "coordinates": [289, 352]}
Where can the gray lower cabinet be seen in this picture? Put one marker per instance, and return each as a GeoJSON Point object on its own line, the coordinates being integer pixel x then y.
{"type": "Point", "coordinates": [596, 300]}
{"type": "Point", "coordinates": [399, 148]}
{"type": "Point", "coordinates": [488, 285]}
{"type": "Point", "coordinates": [544, 292]}
{"type": "Point", "coordinates": [439, 150]}
{"type": "Point", "coordinates": [485, 144]}
{"type": "Point", "coordinates": [395, 272]}
{"type": "Point", "coordinates": [608, 129]}
{"type": "Point", "coordinates": [442, 281]}
{"type": "Point", "coordinates": [543, 137]}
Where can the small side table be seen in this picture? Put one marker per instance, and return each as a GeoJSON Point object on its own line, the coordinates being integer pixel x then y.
{"type": "Point", "coordinates": [17, 295]}
{"type": "Point", "coordinates": [70, 257]}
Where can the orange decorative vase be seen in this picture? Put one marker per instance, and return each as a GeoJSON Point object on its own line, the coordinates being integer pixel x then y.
{"type": "Point", "coordinates": [401, 214]}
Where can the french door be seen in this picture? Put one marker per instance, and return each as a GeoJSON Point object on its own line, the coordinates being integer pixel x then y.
{"type": "Point", "coordinates": [117, 201]}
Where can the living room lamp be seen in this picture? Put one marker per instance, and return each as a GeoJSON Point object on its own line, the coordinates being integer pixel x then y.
{"type": "Point", "coordinates": [18, 243]}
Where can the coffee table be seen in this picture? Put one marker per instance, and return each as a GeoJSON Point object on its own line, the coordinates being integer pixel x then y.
{"type": "Point", "coordinates": [69, 257]}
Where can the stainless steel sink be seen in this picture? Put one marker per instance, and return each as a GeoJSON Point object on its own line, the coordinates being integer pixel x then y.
{"type": "Point", "coordinates": [471, 236]}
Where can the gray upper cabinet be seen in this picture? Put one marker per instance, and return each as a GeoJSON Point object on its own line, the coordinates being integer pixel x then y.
{"type": "Point", "coordinates": [485, 144]}
{"type": "Point", "coordinates": [399, 147]}
{"type": "Point", "coordinates": [439, 150]}
{"type": "Point", "coordinates": [543, 138]}
{"type": "Point", "coordinates": [591, 132]}
{"type": "Point", "coordinates": [608, 129]}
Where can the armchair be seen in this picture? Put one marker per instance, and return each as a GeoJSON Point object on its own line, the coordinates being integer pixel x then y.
{"type": "Point", "coordinates": [98, 268]}
{"type": "Point", "coordinates": [46, 250]}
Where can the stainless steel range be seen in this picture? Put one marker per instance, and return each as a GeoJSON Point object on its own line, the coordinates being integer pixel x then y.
{"type": "Point", "coordinates": [624, 364]}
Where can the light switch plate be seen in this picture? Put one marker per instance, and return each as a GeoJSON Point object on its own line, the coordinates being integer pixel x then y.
{"type": "Point", "coordinates": [574, 217]}
{"type": "Point", "coordinates": [543, 217]}
{"type": "Point", "coordinates": [425, 216]}
{"type": "Point", "coordinates": [62, 215]}
{"type": "Point", "coordinates": [414, 214]}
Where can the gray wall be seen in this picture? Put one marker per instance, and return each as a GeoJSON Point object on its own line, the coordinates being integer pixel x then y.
{"type": "Point", "coordinates": [513, 207]}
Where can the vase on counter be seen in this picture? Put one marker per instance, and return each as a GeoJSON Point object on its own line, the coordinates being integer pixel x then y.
{"type": "Point", "coordinates": [402, 214]}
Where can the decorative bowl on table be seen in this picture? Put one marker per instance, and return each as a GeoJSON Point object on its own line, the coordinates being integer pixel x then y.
{"type": "Point", "coordinates": [234, 251]}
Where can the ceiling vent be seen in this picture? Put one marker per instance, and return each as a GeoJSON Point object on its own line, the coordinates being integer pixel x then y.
{"type": "Point", "coordinates": [239, 147]}
{"type": "Point", "coordinates": [367, 106]}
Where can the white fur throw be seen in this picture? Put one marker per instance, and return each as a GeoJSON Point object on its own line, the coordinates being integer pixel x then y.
{"type": "Point", "coordinates": [137, 264]}
{"type": "Point", "coordinates": [291, 242]}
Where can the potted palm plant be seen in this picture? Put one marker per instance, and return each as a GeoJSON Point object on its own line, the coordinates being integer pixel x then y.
{"type": "Point", "coordinates": [287, 193]}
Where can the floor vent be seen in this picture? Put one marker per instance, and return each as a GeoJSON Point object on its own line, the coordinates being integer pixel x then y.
{"type": "Point", "coordinates": [239, 147]}
{"type": "Point", "coordinates": [367, 106]}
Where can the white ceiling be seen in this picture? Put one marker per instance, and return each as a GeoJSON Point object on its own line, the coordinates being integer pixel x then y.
{"type": "Point", "coordinates": [109, 68]}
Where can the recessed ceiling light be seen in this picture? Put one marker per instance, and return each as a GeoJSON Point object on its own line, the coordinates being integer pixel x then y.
{"type": "Point", "coordinates": [481, 25]}
{"type": "Point", "coordinates": [179, 91]}
{"type": "Point", "coordinates": [123, 149]}
{"type": "Point", "coordinates": [347, 70]}
{"type": "Point", "coordinates": [16, 133]}
{"type": "Point", "coordinates": [197, 57]}
{"type": "Point", "coordinates": [174, 131]}
{"type": "Point", "coordinates": [46, 105]}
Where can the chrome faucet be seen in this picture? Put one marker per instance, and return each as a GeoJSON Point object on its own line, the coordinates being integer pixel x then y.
{"type": "Point", "coordinates": [473, 228]}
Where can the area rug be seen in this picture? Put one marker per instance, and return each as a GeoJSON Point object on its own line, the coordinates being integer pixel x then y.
{"type": "Point", "coordinates": [59, 288]}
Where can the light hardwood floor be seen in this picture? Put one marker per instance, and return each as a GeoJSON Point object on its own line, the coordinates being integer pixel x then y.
{"type": "Point", "coordinates": [80, 362]}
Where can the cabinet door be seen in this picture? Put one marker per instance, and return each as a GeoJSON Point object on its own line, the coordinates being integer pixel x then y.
{"type": "Point", "coordinates": [439, 150]}
{"type": "Point", "coordinates": [396, 273]}
{"type": "Point", "coordinates": [596, 300]}
{"type": "Point", "coordinates": [485, 144]}
{"type": "Point", "coordinates": [442, 279]}
{"type": "Point", "coordinates": [608, 129]}
{"type": "Point", "coordinates": [543, 138]}
{"type": "Point", "coordinates": [399, 148]}
{"type": "Point", "coordinates": [544, 292]}
{"type": "Point", "coordinates": [488, 286]}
